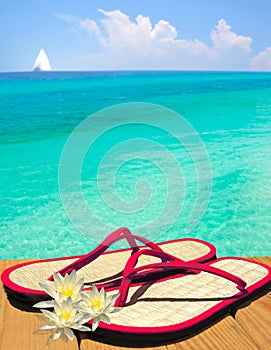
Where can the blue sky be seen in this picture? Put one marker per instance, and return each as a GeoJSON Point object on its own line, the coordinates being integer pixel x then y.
{"type": "Point", "coordinates": [136, 34]}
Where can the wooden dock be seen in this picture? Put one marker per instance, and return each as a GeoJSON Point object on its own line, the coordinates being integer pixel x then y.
{"type": "Point", "coordinates": [250, 329]}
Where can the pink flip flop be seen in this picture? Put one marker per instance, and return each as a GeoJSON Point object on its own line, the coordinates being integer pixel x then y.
{"type": "Point", "coordinates": [168, 308]}
{"type": "Point", "coordinates": [21, 282]}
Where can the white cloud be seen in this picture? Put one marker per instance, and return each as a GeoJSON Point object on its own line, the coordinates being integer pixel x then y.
{"type": "Point", "coordinates": [90, 26]}
{"type": "Point", "coordinates": [223, 38]}
{"type": "Point", "coordinates": [123, 34]}
{"type": "Point", "coordinates": [86, 24]}
{"type": "Point", "coordinates": [128, 44]}
{"type": "Point", "coordinates": [137, 44]}
{"type": "Point", "coordinates": [230, 50]}
{"type": "Point", "coordinates": [262, 61]}
{"type": "Point", "coordinates": [164, 31]}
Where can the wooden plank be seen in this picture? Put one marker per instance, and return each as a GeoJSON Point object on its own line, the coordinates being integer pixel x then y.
{"type": "Point", "coordinates": [264, 259]}
{"type": "Point", "coordinates": [17, 328]}
{"type": "Point", "coordinates": [87, 344]}
{"type": "Point", "coordinates": [255, 319]}
{"type": "Point", "coordinates": [224, 335]}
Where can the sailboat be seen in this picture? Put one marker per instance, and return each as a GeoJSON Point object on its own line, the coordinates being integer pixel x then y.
{"type": "Point", "coordinates": [42, 62]}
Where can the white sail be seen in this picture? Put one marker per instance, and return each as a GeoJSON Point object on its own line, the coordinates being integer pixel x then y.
{"type": "Point", "coordinates": [42, 63]}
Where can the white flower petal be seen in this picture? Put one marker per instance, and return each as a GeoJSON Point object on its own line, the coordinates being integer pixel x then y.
{"type": "Point", "coordinates": [105, 318]}
{"type": "Point", "coordinates": [92, 310]}
{"type": "Point", "coordinates": [94, 290]}
{"type": "Point", "coordinates": [58, 281]}
{"type": "Point", "coordinates": [81, 307]}
{"type": "Point", "coordinates": [68, 303]}
{"type": "Point", "coordinates": [44, 304]}
{"type": "Point", "coordinates": [73, 276]}
{"type": "Point", "coordinates": [102, 295]}
{"type": "Point", "coordinates": [58, 333]}
{"type": "Point", "coordinates": [116, 309]}
{"type": "Point", "coordinates": [85, 318]}
{"type": "Point", "coordinates": [69, 333]}
{"type": "Point", "coordinates": [47, 326]}
{"type": "Point", "coordinates": [66, 281]}
{"type": "Point", "coordinates": [81, 281]}
{"type": "Point", "coordinates": [85, 295]}
{"type": "Point", "coordinates": [76, 298]}
{"type": "Point", "coordinates": [83, 328]}
{"type": "Point", "coordinates": [51, 315]}
{"type": "Point", "coordinates": [55, 336]}
{"type": "Point", "coordinates": [95, 323]}
{"type": "Point", "coordinates": [57, 307]}
{"type": "Point", "coordinates": [48, 289]}
{"type": "Point", "coordinates": [113, 298]}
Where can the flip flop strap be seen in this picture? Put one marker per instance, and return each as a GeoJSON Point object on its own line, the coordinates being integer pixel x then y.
{"type": "Point", "coordinates": [158, 253]}
{"type": "Point", "coordinates": [133, 259]}
{"type": "Point", "coordinates": [121, 233]}
{"type": "Point", "coordinates": [130, 274]}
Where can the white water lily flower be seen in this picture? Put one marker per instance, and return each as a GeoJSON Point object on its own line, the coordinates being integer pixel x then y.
{"type": "Point", "coordinates": [63, 319]}
{"type": "Point", "coordinates": [98, 305]}
{"type": "Point", "coordinates": [63, 288]}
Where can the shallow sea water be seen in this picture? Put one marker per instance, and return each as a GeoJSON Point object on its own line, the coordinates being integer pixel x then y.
{"type": "Point", "coordinates": [230, 112]}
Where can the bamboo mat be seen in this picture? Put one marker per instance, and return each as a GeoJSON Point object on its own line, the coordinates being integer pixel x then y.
{"type": "Point", "coordinates": [250, 329]}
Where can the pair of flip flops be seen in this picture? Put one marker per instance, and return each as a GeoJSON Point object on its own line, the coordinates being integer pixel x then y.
{"type": "Point", "coordinates": [168, 291]}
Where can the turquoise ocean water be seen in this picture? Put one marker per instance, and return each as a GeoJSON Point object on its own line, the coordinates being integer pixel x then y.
{"type": "Point", "coordinates": [231, 112]}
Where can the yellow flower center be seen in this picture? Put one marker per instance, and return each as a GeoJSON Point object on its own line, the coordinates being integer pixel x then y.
{"type": "Point", "coordinates": [67, 292]}
{"type": "Point", "coordinates": [66, 315]}
{"type": "Point", "coordinates": [96, 303]}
